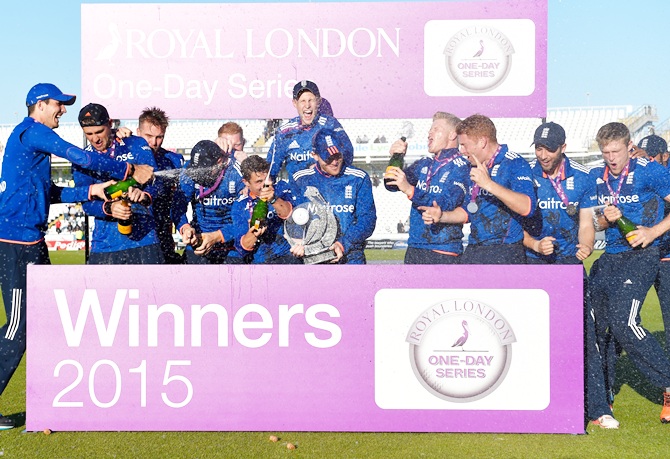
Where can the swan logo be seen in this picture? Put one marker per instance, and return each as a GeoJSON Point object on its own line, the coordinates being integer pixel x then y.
{"type": "Point", "coordinates": [460, 349]}
{"type": "Point", "coordinates": [478, 58]}
{"type": "Point", "coordinates": [474, 57]}
{"type": "Point", "coordinates": [109, 50]}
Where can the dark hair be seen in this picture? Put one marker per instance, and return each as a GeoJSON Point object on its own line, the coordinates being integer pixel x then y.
{"type": "Point", "coordinates": [253, 163]}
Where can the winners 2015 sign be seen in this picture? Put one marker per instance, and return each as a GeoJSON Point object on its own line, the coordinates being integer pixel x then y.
{"type": "Point", "coordinates": [370, 60]}
{"type": "Point", "coordinates": [409, 348]}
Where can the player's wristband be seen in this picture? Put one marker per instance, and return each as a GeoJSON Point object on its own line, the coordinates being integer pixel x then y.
{"type": "Point", "coordinates": [107, 207]}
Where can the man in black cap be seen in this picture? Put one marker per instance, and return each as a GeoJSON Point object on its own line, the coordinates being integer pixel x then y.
{"type": "Point", "coordinates": [292, 146]}
{"type": "Point", "coordinates": [26, 190]}
{"type": "Point", "coordinates": [561, 231]}
{"type": "Point", "coordinates": [211, 182]}
{"type": "Point", "coordinates": [657, 148]}
{"type": "Point", "coordinates": [109, 244]}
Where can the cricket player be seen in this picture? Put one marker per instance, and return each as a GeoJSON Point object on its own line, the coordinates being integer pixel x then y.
{"type": "Point", "coordinates": [619, 282]}
{"type": "Point", "coordinates": [348, 192]}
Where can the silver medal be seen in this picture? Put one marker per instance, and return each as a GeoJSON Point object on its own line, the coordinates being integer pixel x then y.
{"type": "Point", "coordinates": [472, 207]}
{"type": "Point", "coordinates": [571, 210]}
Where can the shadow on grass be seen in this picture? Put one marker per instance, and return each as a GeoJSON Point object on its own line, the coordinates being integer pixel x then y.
{"type": "Point", "coordinates": [627, 373]}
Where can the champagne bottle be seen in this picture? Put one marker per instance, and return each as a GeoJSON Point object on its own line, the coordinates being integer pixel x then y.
{"type": "Point", "coordinates": [259, 214]}
{"type": "Point", "coordinates": [625, 227]}
{"type": "Point", "coordinates": [397, 160]}
{"type": "Point", "coordinates": [125, 226]}
{"type": "Point", "coordinates": [116, 190]}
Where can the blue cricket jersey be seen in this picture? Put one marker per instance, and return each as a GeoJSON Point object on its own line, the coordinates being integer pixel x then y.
{"type": "Point", "coordinates": [272, 243]}
{"type": "Point", "coordinates": [211, 211]}
{"type": "Point", "coordinates": [551, 217]}
{"type": "Point", "coordinates": [640, 199]}
{"type": "Point", "coordinates": [493, 222]}
{"type": "Point", "coordinates": [106, 236]}
{"type": "Point", "coordinates": [26, 190]}
{"type": "Point", "coordinates": [349, 195]}
{"type": "Point", "coordinates": [292, 145]}
{"type": "Point", "coordinates": [445, 179]}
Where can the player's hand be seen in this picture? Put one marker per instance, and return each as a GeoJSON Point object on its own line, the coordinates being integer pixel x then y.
{"type": "Point", "coordinates": [431, 214]}
{"type": "Point", "coordinates": [226, 145]}
{"type": "Point", "coordinates": [642, 236]}
{"type": "Point", "coordinates": [583, 251]}
{"type": "Point", "coordinates": [143, 173]}
{"type": "Point", "coordinates": [545, 246]}
{"type": "Point", "coordinates": [398, 178]}
{"type": "Point", "coordinates": [339, 252]}
{"type": "Point", "coordinates": [98, 189]}
{"type": "Point", "coordinates": [298, 250]}
{"type": "Point", "coordinates": [399, 146]}
{"type": "Point", "coordinates": [123, 133]}
{"type": "Point", "coordinates": [208, 241]}
{"type": "Point", "coordinates": [267, 193]}
{"type": "Point", "coordinates": [612, 213]}
{"type": "Point", "coordinates": [134, 194]}
{"type": "Point", "coordinates": [480, 174]}
{"type": "Point", "coordinates": [188, 235]}
{"type": "Point", "coordinates": [121, 210]}
{"type": "Point", "coordinates": [636, 152]}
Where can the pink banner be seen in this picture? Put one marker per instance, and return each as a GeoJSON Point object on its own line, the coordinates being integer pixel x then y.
{"type": "Point", "coordinates": [405, 348]}
{"type": "Point", "coordinates": [370, 60]}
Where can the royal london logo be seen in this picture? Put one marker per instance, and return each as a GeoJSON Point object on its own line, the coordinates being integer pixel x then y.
{"type": "Point", "coordinates": [460, 349]}
{"type": "Point", "coordinates": [478, 58]}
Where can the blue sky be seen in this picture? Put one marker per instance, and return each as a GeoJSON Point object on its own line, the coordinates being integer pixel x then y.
{"type": "Point", "coordinates": [600, 53]}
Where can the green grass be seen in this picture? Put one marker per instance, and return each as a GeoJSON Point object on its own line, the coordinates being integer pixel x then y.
{"type": "Point", "coordinates": [637, 407]}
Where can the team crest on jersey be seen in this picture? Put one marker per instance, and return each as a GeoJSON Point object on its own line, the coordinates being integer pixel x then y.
{"type": "Point", "coordinates": [629, 179]}
{"type": "Point", "coordinates": [494, 171]}
{"type": "Point", "coordinates": [570, 183]}
{"type": "Point", "coordinates": [348, 192]}
{"type": "Point", "coordinates": [424, 170]}
{"type": "Point", "coordinates": [231, 187]}
{"type": "Point", "coordinates": [443, 179]}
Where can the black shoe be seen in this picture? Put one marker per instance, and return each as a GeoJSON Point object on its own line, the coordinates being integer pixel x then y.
{"type": "Point", "coordinates": [6, 423]}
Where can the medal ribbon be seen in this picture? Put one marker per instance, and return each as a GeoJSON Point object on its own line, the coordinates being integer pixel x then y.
{"type": "Point", "coordinates": [430, 176]}
{"type": "Point", "coordinates": [622, 178]}
{"type": "Point", "coordinates": [204, 192]}
{"type": "Point", "coordinates": [489, 165]}
{"type": "Point", "coordinates": [558, 187]}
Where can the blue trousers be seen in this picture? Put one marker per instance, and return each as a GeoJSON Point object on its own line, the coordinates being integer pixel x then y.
{"type": "Point", "coordinates": [416, 256]}
{"type": "Point", "coordinates": [618, 286]}
{"type": "Point", "coordinates": [146, 255]}
{"type": "Point", "coordinates": [662, 285]}
{"type": "Point", "coordinates": [595, 391]}
{"type": "Point", "coordinates": [14, 258]}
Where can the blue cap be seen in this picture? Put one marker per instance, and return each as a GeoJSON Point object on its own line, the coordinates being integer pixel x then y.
{"type": "Point", "coordinates": [44, 91]}
{"type": "Point", "coordinates": [654, 145]}
{"type": "Point", "coordinates": [305, 85]}
{"type": "Point", "coordinates": [326, 144]}
{"type": "Point", "coordinates": [550, 135]}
